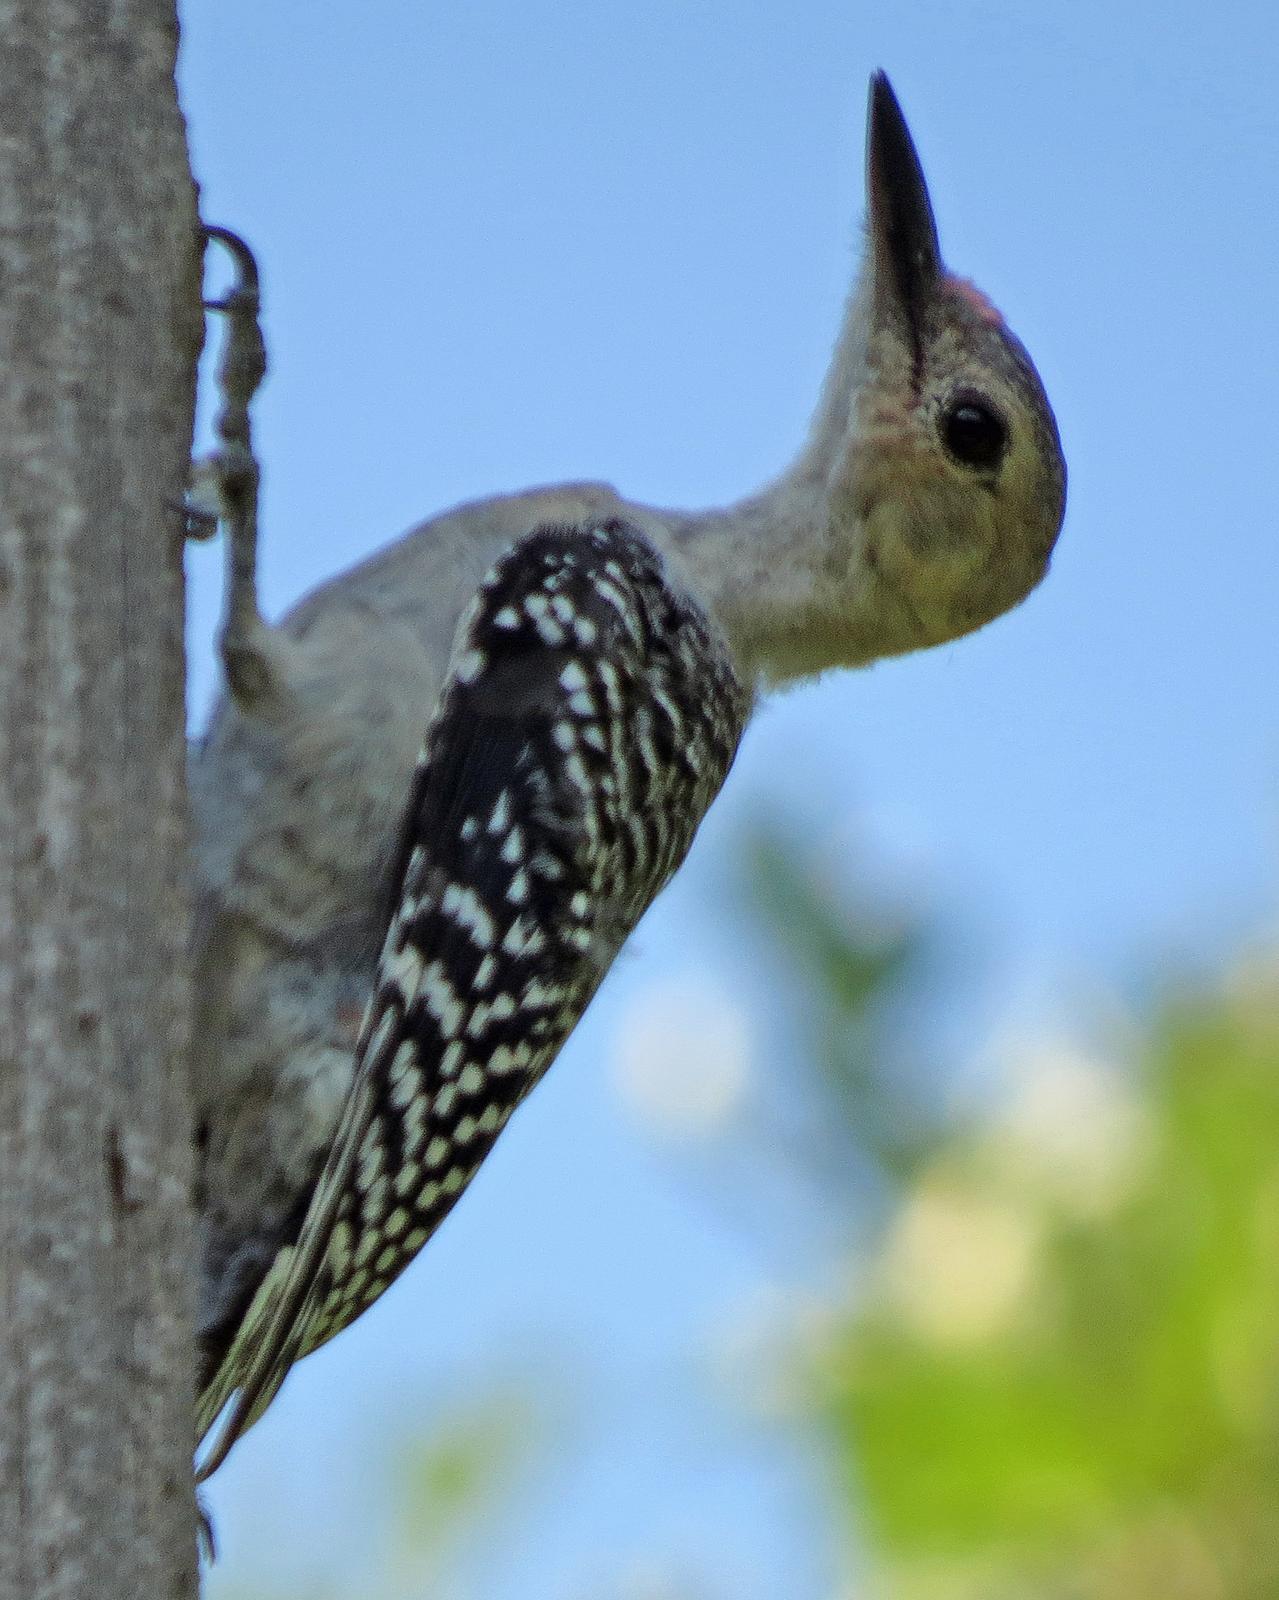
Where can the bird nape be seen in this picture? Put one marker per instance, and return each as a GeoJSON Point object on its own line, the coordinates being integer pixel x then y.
{"type": "Point", "coordinates": [436, 798]}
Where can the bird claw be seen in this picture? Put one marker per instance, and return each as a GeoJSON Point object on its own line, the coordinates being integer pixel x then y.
{"type": "Point", "coordinates": [224, 486]}
{"type": "Point", "coordinates": [203, 506]}
{"type": "Point", "coordinates": [244, 358]}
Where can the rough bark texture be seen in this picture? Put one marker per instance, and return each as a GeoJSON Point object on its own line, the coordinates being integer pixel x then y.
{"type": "Point", "coordinates": [99, 328]}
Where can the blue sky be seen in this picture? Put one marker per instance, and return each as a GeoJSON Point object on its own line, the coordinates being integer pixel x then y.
{"type": "Point", "coordinates": [509, 243]}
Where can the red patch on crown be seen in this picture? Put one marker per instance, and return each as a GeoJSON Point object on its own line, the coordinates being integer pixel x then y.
{"type": "Point", "coordinates": [972, 296]}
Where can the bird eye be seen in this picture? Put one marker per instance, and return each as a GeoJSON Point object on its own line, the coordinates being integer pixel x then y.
{"type": "Point", "coordinates": [973, 432]}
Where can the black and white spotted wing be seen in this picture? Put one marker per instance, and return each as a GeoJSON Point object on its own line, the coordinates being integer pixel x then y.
{"type": "Point", "coordinates": [590, 716]}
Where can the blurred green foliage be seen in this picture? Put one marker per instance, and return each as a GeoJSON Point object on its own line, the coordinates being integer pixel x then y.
{"type": "Point", "coordinates": [1059, 1376]}
{"type": "Point", "coordinates": [458, 1478]}
{"type": "Point", "coordinates": [854, 969]}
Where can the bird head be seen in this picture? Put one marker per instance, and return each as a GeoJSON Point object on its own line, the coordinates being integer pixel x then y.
{"type": "Point", "coordinates": [947, 476]}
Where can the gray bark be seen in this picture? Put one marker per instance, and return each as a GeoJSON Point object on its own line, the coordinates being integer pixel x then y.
{"type": "Point", "coordinates": [99, 331]}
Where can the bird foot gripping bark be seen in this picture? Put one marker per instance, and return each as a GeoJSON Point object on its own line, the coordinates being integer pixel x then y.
{"type": "Point", "coordinates": [224, 486]}
{"type": "Point", "coordinates": [221, 483]}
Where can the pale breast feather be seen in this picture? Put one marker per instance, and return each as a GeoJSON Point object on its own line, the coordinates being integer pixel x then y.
{"type": "Point", "coordinates": [590, 715]}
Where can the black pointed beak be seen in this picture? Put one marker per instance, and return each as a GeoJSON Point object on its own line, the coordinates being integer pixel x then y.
{"type": "Point", "coordinates": [905, 251]}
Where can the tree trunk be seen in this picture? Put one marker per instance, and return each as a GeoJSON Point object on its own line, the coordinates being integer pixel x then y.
{"type": "Point", "coordinates": [99, 332]}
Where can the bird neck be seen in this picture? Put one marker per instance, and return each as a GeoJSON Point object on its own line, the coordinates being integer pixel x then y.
{"type": "Point", "coordinates": [784, 571]}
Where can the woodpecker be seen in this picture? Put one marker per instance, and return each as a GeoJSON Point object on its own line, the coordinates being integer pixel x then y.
{"type": "Point", "coordinates": [437, 796]}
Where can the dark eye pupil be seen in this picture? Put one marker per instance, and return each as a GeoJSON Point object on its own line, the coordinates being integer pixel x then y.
{"type": "Point", "coordinates": [974, 434]}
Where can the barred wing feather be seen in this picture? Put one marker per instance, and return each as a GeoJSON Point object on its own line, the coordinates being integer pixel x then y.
{"type": "Point", "coordinates": [590, 715]}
